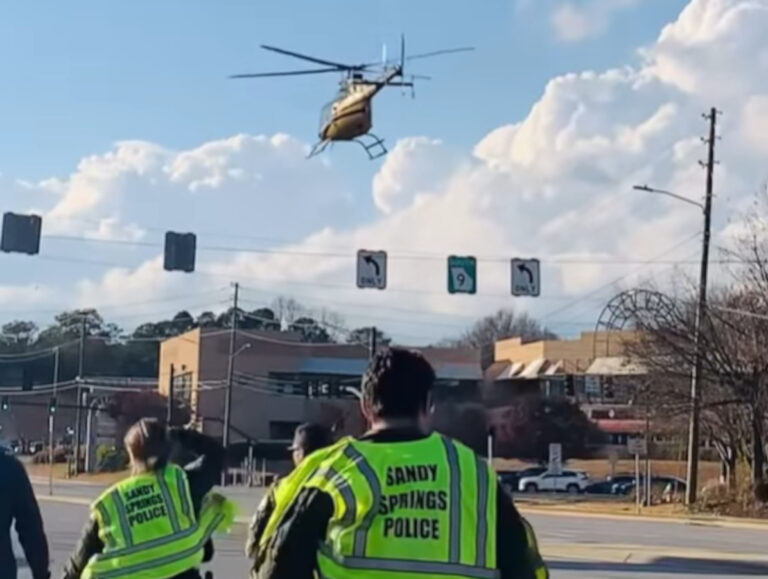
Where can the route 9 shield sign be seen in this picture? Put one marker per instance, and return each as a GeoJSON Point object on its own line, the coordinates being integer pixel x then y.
{"type": "Point", "coordinates": [462, 275]}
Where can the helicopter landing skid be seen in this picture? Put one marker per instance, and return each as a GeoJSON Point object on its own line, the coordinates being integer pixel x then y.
{"type": "Point", "coordinates": [319, 147]}
{"type": "Point", "coordinates": [375, 148]}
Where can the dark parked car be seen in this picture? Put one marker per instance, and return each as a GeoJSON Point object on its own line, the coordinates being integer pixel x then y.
{"type": "Point", "coordinates": [600, 488]}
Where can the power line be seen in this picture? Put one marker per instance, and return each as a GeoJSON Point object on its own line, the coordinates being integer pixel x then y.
{"type": "Point", "coordinates": [401, 255]}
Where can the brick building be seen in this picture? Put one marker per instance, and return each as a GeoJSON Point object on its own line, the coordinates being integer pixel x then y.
{"type": "Point", "coordinates": [279, 382]}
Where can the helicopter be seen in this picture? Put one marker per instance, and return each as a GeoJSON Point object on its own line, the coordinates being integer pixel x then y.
{"type": "Point", "coordinates": [349, 117]}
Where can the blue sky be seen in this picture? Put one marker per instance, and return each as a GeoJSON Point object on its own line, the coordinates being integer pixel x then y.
{"type": "Point", "coordinates": [83, 75]}
{"type": "Point", "coordinates": [80, 75]}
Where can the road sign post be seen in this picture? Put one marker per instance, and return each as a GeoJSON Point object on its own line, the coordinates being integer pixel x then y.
{"type": "Point", "coordinates": [555, 459]}
{"type": "Point", "coordinates": [462, 275]}
{"type": "Point", "coordinates": [526, 277]}
{"type": "Point", "coordinates": [637, 447]}
{"type": "Point", "coordinates": [371, 269]}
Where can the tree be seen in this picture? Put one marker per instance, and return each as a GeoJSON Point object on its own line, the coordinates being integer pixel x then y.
{"type": "Point", "coordinates": [310, 331]}
{"type": "Point", "coordinates": [733, 396]}
{"type": "Point", "coordinates": [261, 319]}
{"type": "Point", "coordinates": [287, 310]}
{"type": "Point", "coordinates": [18, 335]}
{"type": "Point", "coordinates": [362, 336]}
{"type": "Point", "coordinates": [505, 323]}
{"type": "Point", "coordinates": [183, 322]}
{"type": "Point", "coordinates": [206, 320]}
{"type": "Point", "coordinates": [528, 426]}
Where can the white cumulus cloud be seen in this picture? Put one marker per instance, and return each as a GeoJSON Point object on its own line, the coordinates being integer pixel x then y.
{"type": "Point", "coordinates": [556, 184]}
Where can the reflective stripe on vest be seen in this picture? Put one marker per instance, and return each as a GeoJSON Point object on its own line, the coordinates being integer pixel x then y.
{"type": "Point", "coordinates": [425, 507]}
{"type": "Point", "coordinates": [287, 489]}
{"type": "Point", "coordinates": [149, 527]}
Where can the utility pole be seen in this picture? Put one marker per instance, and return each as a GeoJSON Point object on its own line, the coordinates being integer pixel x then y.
{"type": "Point", "coordinates": [230, 375]}
{"type": "Point", "coordinates": [51, 421]}
{"type": "Point", "coordinates": [78, 412]}
{"type": "Point", "coordinates": [693, 427]}
{"type": "Point", "coordinates": [372, 343]}
{"type": "Point", "coordinates": [169, 411]}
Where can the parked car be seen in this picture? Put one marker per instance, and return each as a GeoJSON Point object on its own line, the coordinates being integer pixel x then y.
{"type": "Point", "coordinates": [569, 481]}
{"type": "Point", "coordinates": [603, 487]}
{"type": "Point", "coordinates": [511, 478]}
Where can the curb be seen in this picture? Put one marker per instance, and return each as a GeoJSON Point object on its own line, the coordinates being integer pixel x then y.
{"type": "Point", "coordinates": [691, 521]}
{"type": "Point", "coordinates": [64, 499]}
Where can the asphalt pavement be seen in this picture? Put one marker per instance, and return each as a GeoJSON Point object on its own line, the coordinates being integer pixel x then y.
{"type": "Point", "coordinates": [575, 547]}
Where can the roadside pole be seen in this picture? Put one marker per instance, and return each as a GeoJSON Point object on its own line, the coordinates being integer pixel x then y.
{"type": "Point", "coordinates": [51, 422]}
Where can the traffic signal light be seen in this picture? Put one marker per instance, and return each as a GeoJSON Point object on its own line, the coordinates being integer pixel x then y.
{"type": "Point", "coordinates": [180, 251]}
{"type": "Point", "coordinates": [570, 391]}
{"type": "Point", "coordinates": [52, 405]}
{"type": "Point", "coordinates": [21, 233]}
{"type": "Point", "coordinates": [5, 404]}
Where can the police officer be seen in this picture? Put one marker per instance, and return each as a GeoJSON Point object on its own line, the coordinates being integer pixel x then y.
{"type": "Point", "coordinates": [156, 522]}
{"type": "Point", "coordinates": [399, 500]}
{"type": "Point", "coordinates": [307, 439]}
{"type": "Point", "coordinates": [18, 504]}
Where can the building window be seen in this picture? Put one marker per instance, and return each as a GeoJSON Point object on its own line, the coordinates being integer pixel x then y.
{"type": "Point", "coordinates": [182, 389]}
{"type": "Point", "coordinates": [592, 386]}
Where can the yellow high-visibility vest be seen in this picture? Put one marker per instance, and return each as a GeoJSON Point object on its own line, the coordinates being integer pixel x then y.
{"type": "Point", "coordinates": [423, 508]}
{"type": "Point", "coordinates": [533, 548]}
{"type": "Point", "coordinates": [287, 488]}
{"type": "Point", "coordinates": [149, 529]}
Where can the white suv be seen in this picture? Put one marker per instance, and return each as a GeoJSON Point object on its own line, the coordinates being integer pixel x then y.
{"type": "Point", "coordinates": [569, 481]}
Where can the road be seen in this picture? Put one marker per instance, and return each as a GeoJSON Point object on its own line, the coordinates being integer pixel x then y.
{"type": "Point", "coordinates": [576, 547]}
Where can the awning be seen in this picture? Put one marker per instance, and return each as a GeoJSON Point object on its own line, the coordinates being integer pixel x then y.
{"type": "Point", "coordinates": [535, 369]}
{"type": "Point", "coordinates": [615, 366]}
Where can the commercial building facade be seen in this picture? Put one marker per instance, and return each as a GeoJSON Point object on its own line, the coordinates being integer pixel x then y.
{"type": "Point", "coordinates": [279, 382]}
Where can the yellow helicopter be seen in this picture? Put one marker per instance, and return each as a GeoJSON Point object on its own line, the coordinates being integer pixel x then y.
{"type": "Point", "coordinates": [349, 117]}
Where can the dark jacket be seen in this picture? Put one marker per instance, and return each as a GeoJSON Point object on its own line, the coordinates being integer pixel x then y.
{"type": "Point", "coordinates": [203, 474]}
{"type": "Point", "coordinates": [259, 525]}
{"type": "Point", "coordinates": [18, 504]}
{"type": "Point", "coordinates": [305, 526]}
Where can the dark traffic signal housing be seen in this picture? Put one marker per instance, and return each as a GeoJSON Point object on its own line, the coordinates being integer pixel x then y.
{"type": "Point", "coordinates": [180, 251]}
{"type": "Point", "coordinates": [21, 233]}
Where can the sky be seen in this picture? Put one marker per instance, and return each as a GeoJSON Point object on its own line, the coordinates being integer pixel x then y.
{"type": "Point", "coordinates": [120, 123]}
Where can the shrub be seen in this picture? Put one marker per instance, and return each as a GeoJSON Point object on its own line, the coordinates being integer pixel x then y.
{"type": "Point", "coordinates": [110, 459]}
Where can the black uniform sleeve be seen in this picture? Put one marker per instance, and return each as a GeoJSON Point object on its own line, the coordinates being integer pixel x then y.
{"type": "Point", "coordinates": [259, 523]}
{"type": "Point", "coordinates": [89, 545]}
{"type": "Point", "coordinates": [204, 472]}
{"type": "Point", "coordinates": [291, 552]}
{"type": "Point", "coordinates": [29, 523]}
{"type": "Point", "coordinates": [512, 554]}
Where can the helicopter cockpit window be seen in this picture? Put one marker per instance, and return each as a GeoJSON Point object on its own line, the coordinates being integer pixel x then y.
{"type": "Point", "coordinates": [326, 114]}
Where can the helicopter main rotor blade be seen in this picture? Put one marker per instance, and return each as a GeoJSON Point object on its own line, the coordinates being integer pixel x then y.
{"type": "Point", "coordinates": [337, 65]}
{"type": "Point", "coordinates": [440, 52]}
{"type": "Point", "coordinates": [285, 73]}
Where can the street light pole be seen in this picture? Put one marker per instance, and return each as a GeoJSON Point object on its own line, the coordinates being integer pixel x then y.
{"type": "Point", "coordinates": [692, 470]}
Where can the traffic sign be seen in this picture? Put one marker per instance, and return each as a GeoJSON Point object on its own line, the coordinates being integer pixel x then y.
{"type": "Point", "coordinates": [526, 278]}
{"type": "Point", "coordinates": [462, 275]}
{"type": "Point", "coordinates": [637, 446]}
{"type": "Point", "coordinates": [372, 269]}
